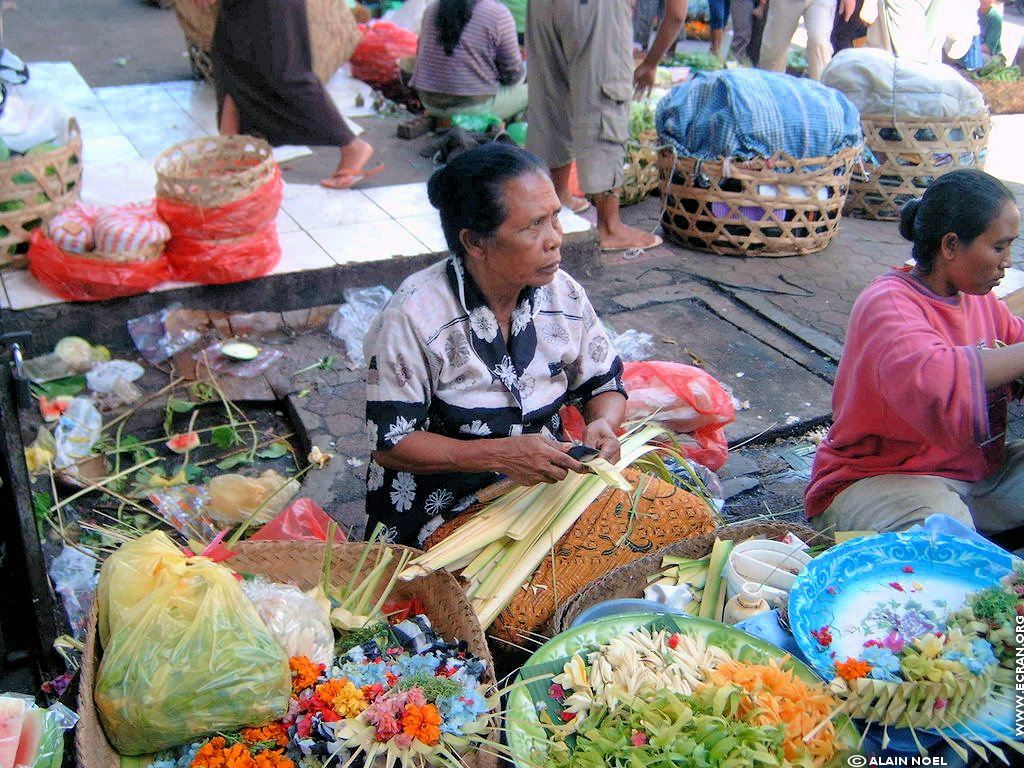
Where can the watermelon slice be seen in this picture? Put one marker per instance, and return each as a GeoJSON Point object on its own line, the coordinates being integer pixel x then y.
{"type": "Point", "coordinates": [31, 735]}
{"type": "Point", "coordinates": [12, 713]}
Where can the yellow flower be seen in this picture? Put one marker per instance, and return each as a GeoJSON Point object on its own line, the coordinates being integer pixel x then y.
{"type": "Point", "coordinates": [930, 646]}
{"type": "Point", "coordinates": [318, 457]}
{"type": "Point", "coordinates": [37, 458]}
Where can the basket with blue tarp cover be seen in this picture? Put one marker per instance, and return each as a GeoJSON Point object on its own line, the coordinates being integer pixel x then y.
{"type": "Point", "coordinates": [758, 163]}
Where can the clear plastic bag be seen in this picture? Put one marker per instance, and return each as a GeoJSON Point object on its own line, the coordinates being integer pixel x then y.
{"type": "Point", "coordinates": [34, 737]}
{"type": "Point", "coordinates": [298, 623]}
{"type": "Point", "coordinates": [77, 432]}
{"type": "Point", "coordinates": [233, 498]}
{"type": "Point", "coordinates": [73, 575]}
{"type": "Point", "coordinates": [185, 653]}
{"type": "Point", "coordinates": [103, 377]}
{"type": "Point", "coordinates": [244, 369]}
{"type": "Point", "coordinates": [352, 320]}
{"type": "Point", "coordinates": [152, 339]}
{"type": "Point", "coordinates": [633, 345]}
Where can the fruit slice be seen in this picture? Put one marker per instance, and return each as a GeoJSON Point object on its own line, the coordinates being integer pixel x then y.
{"type": "Point", "coordinates": [12, 713]}
{"type": "Point", "coordinates": [239, 350]}
{"type": "Point", "coordinates": [52, 409]}
{"type": "Point", "coordinates": [185, 441]}
{"type": "Point", "coordinates": [31, 735]}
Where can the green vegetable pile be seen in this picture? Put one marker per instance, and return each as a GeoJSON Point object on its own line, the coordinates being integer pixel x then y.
{"type": "Point", "coordinates": [697, 61]}
{"type": "Point", "coordinates": [702, 730]}
{"type": "Point", "coordinates": [996, 69]}
{"type": "Point", "coordinates": [641, 118]}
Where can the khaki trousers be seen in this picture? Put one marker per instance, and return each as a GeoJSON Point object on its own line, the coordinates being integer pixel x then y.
{"type": "Point", "coordinates": [896, 502]}
{"type": "Point", "coordinates": [580, 58]}
{"type": "Point", "coordinates": [783, 19]}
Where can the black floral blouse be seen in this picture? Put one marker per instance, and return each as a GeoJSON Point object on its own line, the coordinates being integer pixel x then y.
{"type": "Point", "coordinates": [438, 362]}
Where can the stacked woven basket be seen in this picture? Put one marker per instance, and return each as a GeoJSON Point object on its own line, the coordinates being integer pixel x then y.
{"type": "Point", "coordinates": [33, 189]}
{"type": "Point", "coordinates": [220, 197]}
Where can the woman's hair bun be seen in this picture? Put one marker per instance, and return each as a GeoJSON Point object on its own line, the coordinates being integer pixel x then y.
{"type": "Point", "coordinates": [907, 216]}
{"type": "Point", "coordinates": [436, 185]}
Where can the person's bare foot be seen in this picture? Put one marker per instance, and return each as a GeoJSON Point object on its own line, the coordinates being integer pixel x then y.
{"type": "Point", "coordinates": [576, 204]}
{"type": "Point", "coordinates": [624, 238]}
{"type": "Point", "coordinates": [354, 157]}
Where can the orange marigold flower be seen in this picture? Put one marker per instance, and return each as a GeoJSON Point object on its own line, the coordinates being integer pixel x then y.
{"type": "Point", "coordinates": [304, 672]}
{"type": "Point", "coordinates": [852, 669]}
{"type": "Point", "coordinates": [273, 732]}
{"type": "Point", "coordinates": [422, 723]}
{"type": "Point", "coordinates": [273, 758]}
{"type": "Point", "coordinates": [210, 755]}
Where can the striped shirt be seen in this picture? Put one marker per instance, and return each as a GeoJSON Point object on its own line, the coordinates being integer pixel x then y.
{"type": "Point", "coordinates": [485, 58]}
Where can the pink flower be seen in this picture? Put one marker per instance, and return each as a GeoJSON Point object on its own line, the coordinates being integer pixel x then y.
{"type": "Point", "coordinates": [908, 569]}
{"type": "Point", "coordinates": [639, 739]}
{"type": "Point", "coordinates": [832, 590]}
{"type": "Point", "coordinates": [403, 741]}
{"type": "Point", "coordinates": [941, 703]}
{"type": "Point", "coordinates": [556, 692]}
{"type": "Point", "coordinates": [896, 585]}
{"type": "Point", "coordinates": [893, 642]}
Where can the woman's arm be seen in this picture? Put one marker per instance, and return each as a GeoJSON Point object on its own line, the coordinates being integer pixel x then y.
{"type": "Point", "coordinates": [1003, 365]}
{"type": "Point", "coordinates": [508, 57]}
{"type": "Point", "coordinates": [604, 414]}
{"type": "Point", "coordinates": [526, 459]}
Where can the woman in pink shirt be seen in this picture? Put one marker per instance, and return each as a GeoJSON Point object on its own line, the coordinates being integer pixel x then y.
{"type": "Point", "coordinates": [920, 398]}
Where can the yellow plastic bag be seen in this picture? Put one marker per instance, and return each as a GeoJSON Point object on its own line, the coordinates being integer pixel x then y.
{"type": "Point", "coordinates": [186, 654]}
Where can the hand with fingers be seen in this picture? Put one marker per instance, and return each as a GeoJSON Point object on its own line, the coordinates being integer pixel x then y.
{"type": "Point", "coordinates": [532, 459]}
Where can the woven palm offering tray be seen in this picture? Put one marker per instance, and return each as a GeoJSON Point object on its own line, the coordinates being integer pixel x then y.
{"type": "Point", "coordinates": [892, 620]}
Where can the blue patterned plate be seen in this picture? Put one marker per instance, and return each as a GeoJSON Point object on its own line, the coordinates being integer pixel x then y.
{"type": "Point", "coordinates": [867, 587]}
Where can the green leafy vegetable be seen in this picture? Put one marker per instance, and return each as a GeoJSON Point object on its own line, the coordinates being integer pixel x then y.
{"type": "Point", "coordinates": [275, 450]}
{"type": "Point", "coordinates": [70, 386]}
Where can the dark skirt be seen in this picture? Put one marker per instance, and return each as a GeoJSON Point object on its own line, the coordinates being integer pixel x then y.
{"type": "Point", "coordinates": [262, 59]}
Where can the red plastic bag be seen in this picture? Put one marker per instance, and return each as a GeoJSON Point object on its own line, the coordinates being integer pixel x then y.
{"type": "Point", "coordinates": [224, 261]}
{"type": "Point", "coordinates": [692, 403]}
{"type": "Point", "coordinates": [375, 59]}
{"type": "Point", "coordinates": [80, 278]}
{"type": "Point", "coordinates": [237, 219]}
{"type": "Point", "coordinates": [302, 520]}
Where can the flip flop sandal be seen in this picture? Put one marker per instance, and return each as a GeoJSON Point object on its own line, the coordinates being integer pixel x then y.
{"type": "Point", "coordinates": [637, 248]}
{"type": "Point", "coordinates": [356, 176]}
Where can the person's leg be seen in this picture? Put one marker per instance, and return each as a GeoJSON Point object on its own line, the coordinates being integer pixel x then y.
{"type": "Point", "coordinates": [895, 503]}
{"type": "Point", "coordinates": [900, 28]}
{"type": "Point", "coordinates": [819, 17]}
{"type": "Point", "coordinates": [230, 122]}
{"type": "Point", "coordinates": [718, 17]}
{"type": "Point", "coordinates": [997, 502]}
{"type": "Point", "coordinates": [742, 29]}
{"type": "Point", "coordinates": [549, 94]}
{"type": "Point", "coordinates": [783, 19]}
{"type": "Point", "coordinates": [601, 87]}
{"type": "Point", "coordinates": [509, 101]}
{"type": "Point", "coordinates": [756, 35]}
{"type": "Point", "coordinates": [643, 22]}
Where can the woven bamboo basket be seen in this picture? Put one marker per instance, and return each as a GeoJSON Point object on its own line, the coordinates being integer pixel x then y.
{"type": "Point", "coordinates": [780, 206]}
{"type": "Point", "coordinates": [34, 189]}
{"type": "Point", "coordinates": [299, 563]}
{"type": "Point", "coordinates": [606, 535]}
{"type": "Point", "coordinates": [915, 705]}
{"type": "Point", "coordinates": [333, 34]}
{"type": "Point", "coordinates": [641, 171]}
{"type": "Point", "coordinates": [149, 252]}
{"type": "Point", "coordinates": [213, 171]}
{"type": "Point", "coordinates": [1002, 96]}
{"type": "Point", "coordinates": [629, 580]}
{"type": "Point", "coordinates": [910, 153]}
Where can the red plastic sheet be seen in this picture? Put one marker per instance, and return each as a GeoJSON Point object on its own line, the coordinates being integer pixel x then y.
{"type": "Point", "coordinates": [224, 261]}
{"type": "Point", "coordinates": [375, 59]}
{"type": "Point", "coordinates": [302, 520]}
{"type": "Point", "coordinates": [237, 219]}
{"type": "Point", "coordinates": [80, 278]}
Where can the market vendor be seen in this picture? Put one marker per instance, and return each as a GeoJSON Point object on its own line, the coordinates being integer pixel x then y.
{"type": "Point", "coordinates": [468, 60]}
{"type": "Point", "coordinates": [472, 358]}
{"type": "Point", "coordinates": [920, 398]}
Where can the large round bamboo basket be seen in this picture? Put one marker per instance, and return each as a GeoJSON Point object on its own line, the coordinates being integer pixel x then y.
{"type": "Point", "coordinates": [299, 563]}
{"type": "Point", "coordinates": [910, 153]}
{"type": "Point", "coordinates": [213, 171]}
{"type": "Point", "coordinates": [778, 206]}
{"type": "Point", "coordinates": [630, 579]}
{"type": "Point", "coordinates": [333, 34]}
{"type": "Point", "coordinates": [34, 189]}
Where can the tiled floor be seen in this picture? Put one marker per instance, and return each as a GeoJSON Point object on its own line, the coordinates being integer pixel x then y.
{"type": "Point", "coordinates": [124, 128]}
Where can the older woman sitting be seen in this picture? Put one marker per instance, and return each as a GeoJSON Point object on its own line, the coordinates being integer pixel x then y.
{"type": "Point", "coordinates": [474, 356]}
{"type": "Point", "coordinates": [920, 400]}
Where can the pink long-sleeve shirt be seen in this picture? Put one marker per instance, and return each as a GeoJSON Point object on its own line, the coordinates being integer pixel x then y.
{"type": "Point", "coordinates": [909, 396]}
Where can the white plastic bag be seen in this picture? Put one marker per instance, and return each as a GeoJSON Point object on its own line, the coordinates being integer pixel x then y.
{"type": "Point", "coordinates": [297, 622]}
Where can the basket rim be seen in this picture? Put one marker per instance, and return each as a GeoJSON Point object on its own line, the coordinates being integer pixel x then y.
{"type": "Point", "coordinates": [164, 157]}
